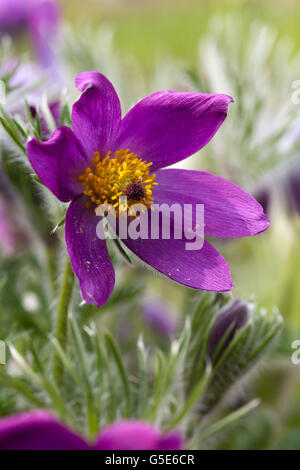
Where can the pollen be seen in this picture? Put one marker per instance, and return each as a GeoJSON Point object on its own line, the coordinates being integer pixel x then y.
{"type": "Point", "coordinates": [115, 176]}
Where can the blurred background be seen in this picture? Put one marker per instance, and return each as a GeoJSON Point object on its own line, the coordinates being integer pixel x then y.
{"type": "Point", "coordinates": [147, 28]}
{"type": "Point", "coordinates": [248, 49]}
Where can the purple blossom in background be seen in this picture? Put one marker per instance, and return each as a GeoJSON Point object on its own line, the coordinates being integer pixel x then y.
{"type": "Point", "coordinates": [83, 166]}
{"type": "Point", "coordinates": [26, 80]}
{"type": "Point", "coordinates": [289, 187]}
{"type": "Point", "coordinates": [40, 18]}
{"type": "Point", "coordinates": [233, 317]}
{"type": "Point", "coordinates": [14, 15]}
{"type": "Point", "coordinates": [158, 316]}
{"type": "Point", "coordinates": [39, 430]}
{"type": "Point", "coordinates": [22, 77]}
{"type": "Point", "coordinates": [43, 28]}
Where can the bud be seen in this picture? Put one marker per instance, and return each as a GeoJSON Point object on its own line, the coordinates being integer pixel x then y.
{"type": "Point", "coordinates": [293, 191]}
{"type": "Point", "coordinates": [159, 317]}
{"type": "Point", "coordinates": [228, 321]}
{"type": "Point", "coordinates": [239, 337]}
{"type": "Point", "coordinates": [263, 197]}
{"type": "Point", "coordinates": [55, 110]}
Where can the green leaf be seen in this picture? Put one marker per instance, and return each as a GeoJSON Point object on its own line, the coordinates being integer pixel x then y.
{"type": "Point", "coordinates": [143, 381]}
{"type": "Point", "coordinates": [81, 355]}
{"type": "Point", "coordinates": [227, 421]}
{"type": "Point", "coordinates": [123, 374]}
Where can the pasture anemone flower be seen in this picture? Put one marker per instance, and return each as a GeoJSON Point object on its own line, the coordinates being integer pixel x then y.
{"type": "Point", "coordinates": [39, 430]}
{"type": "Point", "coordinates": [105, 156]}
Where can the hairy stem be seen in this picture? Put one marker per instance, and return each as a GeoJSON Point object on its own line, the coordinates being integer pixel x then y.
{"type": "Point", "coordinates": [61, 326]}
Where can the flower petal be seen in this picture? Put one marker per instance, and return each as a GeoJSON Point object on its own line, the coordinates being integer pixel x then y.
{"type": "Point", "coordinates": [58, 162]}
{"type": "Point", "coordinates": [37, 430]}
{"type": "Point", "coordinates": [96, 116]}
{"type": "Point", "coordinates": [168, 126]}
{"type": "Point", "coordinates": [137, 435]}
{"type": "Point", "coordinates": [201, 269]}
{"type": "Point", "coordinates": [88, 253]}
{"type": "Point", "coordinates": [228, 210]}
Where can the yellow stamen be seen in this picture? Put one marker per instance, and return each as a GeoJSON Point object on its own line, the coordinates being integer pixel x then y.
{"type": "Point", "coordinates": [123, 174]}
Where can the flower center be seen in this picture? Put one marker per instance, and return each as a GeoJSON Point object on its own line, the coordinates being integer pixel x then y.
{"type": "Point", "coordinates": [123, 174]}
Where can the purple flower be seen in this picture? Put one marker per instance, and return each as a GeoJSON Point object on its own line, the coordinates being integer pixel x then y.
{"type": "Point", "coordinates": [233, 317]}
{"type": "Point", "coordinates": [86, 166]}
{"type": "Point", "coordinates": [158, 316]}
{"type": "Point", "coordinates": [38, 430]}
{"type": "Point", "coordinates": [43, 29]}
{"type": "Point", "coordinates": [137, 435]}
{"type": "Point", "coordinates": [39, 17]}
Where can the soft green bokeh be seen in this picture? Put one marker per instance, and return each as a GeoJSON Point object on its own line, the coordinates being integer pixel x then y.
{"type": "Point", "coordinates": [146, 28]}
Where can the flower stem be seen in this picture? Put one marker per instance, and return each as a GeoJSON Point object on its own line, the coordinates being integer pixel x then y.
{"type": "Point", "coordinates": [51, 271]}
{"type": "Point", "coordinates": [61, 326]}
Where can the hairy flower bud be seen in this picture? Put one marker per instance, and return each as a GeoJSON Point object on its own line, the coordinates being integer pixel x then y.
{"type": "Point", "coordinates": [228, 321]}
